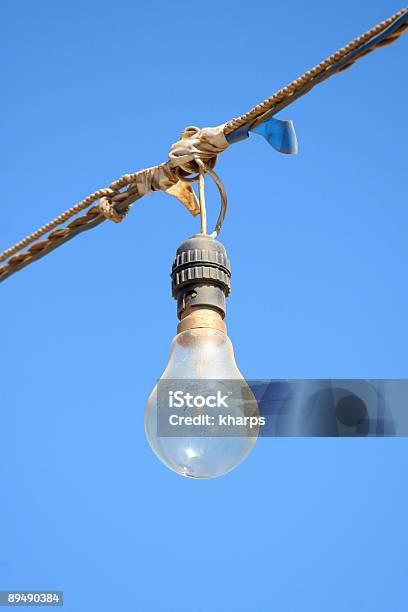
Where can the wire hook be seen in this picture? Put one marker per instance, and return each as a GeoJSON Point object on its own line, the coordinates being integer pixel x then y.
{"type": "Point", "coordinates": [203, 169]}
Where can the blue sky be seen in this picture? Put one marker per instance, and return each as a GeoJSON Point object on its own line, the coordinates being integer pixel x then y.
{"type": "Point", "coordinates": [319, 253]}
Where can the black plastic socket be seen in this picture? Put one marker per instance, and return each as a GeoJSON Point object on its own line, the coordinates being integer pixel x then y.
{"type": "Point", "coordinates": [201, 274]}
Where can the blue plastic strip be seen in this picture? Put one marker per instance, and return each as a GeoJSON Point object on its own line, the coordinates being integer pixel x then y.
{"type": "Point", "coordinates": [241, 133]}
{"type": "Point", "coordinates": [280, 134]}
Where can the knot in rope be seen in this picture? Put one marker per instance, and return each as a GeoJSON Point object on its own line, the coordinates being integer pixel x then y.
{"type": "Point", "coordinates": [109, 211]}
{"type": "Point", "coordinates": [195, 143]}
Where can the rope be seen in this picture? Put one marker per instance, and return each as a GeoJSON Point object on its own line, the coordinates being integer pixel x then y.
{"type": "Point", "coordinates": [336, 60]}
{"type": "Point", "coordinates": [112, 192]}
{"type": "Point", "coordinates": [114, 203]}
{"type": "Point", "coordinates": [113, 207]}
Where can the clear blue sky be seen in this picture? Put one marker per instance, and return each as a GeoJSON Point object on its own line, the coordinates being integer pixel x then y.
{"type": "Point", "coordinates": [92, 90]}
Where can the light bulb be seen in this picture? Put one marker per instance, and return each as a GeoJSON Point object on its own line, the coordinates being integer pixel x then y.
{"type": "Point", "coordinates": [202, 354]}
{"type": "Point", "coordinates": [202, 357]}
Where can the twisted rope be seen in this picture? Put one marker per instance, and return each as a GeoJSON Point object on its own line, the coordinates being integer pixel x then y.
{"type": "Point", "coordinates": [111, 192]}
{"type": "Point", "coordinates": [115, 203]}
{"type": "Point", "coordinates": [310, 78]}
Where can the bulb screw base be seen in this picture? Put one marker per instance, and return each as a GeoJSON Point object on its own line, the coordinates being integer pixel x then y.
{"type": "Point", "coordinates": [202, 317]}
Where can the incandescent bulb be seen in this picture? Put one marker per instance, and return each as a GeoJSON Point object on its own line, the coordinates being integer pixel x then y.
{"type": "Point", "coordinates": [201, 362]}
{"type": "Point", "coordinates": [206, 354]}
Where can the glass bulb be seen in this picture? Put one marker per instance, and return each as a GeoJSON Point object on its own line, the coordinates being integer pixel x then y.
{"type": "Point", "coordinates": [206, 354]}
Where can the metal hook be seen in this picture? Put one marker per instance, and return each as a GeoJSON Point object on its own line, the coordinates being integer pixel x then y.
{"type": "Point", "coordinates": [203, 169]}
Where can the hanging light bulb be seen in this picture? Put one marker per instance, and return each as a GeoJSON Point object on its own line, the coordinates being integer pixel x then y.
{"type": "Point", "coordinates": [202, 353]}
